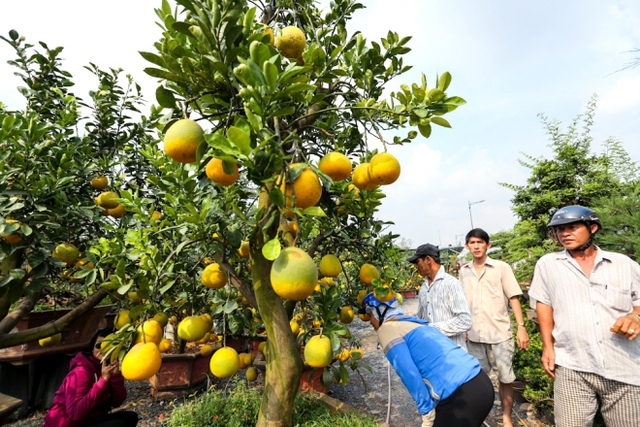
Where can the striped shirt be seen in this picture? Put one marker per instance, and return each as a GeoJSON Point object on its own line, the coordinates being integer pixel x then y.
{"type": "Point", "coordinates": [488, 295]}
{"type": "Point", "coordinates": [444, 305]}
{"type": "Point", "coordinates": [584, 308]}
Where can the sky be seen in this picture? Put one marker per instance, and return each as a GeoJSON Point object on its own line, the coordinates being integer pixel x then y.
{"type": "Point", "coordinates": [510, 60]}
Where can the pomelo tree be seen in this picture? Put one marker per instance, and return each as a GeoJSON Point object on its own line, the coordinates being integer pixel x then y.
{"type": "Point", "coordinates": [274, 109]}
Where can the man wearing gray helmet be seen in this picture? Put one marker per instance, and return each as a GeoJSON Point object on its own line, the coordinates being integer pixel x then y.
{"type": "Point", "coordinates": [588, 305]}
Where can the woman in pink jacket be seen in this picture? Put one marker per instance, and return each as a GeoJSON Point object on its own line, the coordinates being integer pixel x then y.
{"type": "Point", "coordinates": [89, 391]}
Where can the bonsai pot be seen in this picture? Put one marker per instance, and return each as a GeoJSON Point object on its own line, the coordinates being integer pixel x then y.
{"type": "Point", "coordinates": [180, 374]}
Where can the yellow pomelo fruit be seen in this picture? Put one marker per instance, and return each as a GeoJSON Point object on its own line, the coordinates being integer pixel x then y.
{"type": "Point", "coordinates": [192, 328]}
{"type": "Point", "coordinates": [122, 319]}
{"type": "Point", "coordinates": [330, 266]}
{"type": "Point", "coordinates": [208, 321]}
{"type": "Point", "coordinates": [156, 216]}
{"type": "Point", "coordinates": [12, 238]}
{"type": "Point", "coordinates": [133, 297]}
{"type": "Point", "coordinates": [182, 140]}
{"type": "Point", "coordinates": [267, 30]}
{"type": "Point", "coordinates": [317, 351]}
{"type": "Point", "coordinates": [336, 165]}
{"type": "Point", "coordinates": [368, 272]}
{"type": "Point", "coordinates": [149, 331]}
{"type": "Point", "coordinates": [165, 345]}
{"type": "Point", "coordinates": [141, 362]}
{"type": "Point", "coordinates": [361, 177]}
{"type": "Point", "coordinates": [252, 373]}
{"type": "Point", "coordinates": [205, 338]}
{"type": "Point", "coordinates": [117, 212]}
{"type": "Point", "coordinates": [262, 346]}
{"type": "Point", "coordinates": [161, 318]}
{"type": "Point", "coordinates": [213, 277]}
{"type": "Point", "coordinates": [100, 183]}
{"type": "Point", "coordinates": [206, 350]}
{"type": "Point", "coordinates": [306, 186]}
{"type": "Point", "coordinates": [384, 169]}
{"type": "Point", "coordinates": [346, 315]}
{"type": "Point", "coordinates": [327, 281]}
{"type": "Point", "coordinates": [50, 341]}
{"type": "Point", "coordinates": [215, 172]}
{"type": "Point", "coordinates": [344, 355]}
{"type": "Point", "coordinates": [291, 42]}
{"type": "Point", "coordinates": [224, 362]}
{"type": "Point", "coordinates": [363, 293]}
{"type": "Point", "coordinates": [84, 262]}
{"type": "Point", "coordinates": [106, 200]}
{"type": "Point", "coordinates": [293, 274]}
{"type": "Point", "coordinates": [385, 294]}
{"type": "Point", "coordinates": [67, 253]}
{"type": "Point", "coordinates": [295, 327]}
{"type": "Point", "coordinates": [293, 228]}
{"type": "Point", "coordinates": [356, 353]}
{"type": "Point", "coordinates": [364, 317]}
{"type": "Point", "coordinates": [244, 250]}
{"type": "Point", "coordinates": [242, 362]}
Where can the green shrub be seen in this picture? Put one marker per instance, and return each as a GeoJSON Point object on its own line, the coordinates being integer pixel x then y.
{"type": "Point", "coordinates": [239, 406]}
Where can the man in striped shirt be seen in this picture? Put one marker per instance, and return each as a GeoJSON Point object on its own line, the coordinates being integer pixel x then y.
{"type": "Point", "coordinates": [441, 298]}
{"type": "Point", "coordinates": [588, 304]}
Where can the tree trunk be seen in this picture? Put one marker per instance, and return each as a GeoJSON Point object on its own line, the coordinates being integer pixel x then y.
{"type": "Point", "coordinates": [284, 363]}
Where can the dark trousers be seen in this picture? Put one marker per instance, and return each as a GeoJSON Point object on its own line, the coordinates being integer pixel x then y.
{"type": "Point", "coordinates": [468, 406]}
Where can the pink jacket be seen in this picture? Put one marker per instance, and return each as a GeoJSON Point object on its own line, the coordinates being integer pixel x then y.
{"type": "Point", "coordinates": [84, 396]}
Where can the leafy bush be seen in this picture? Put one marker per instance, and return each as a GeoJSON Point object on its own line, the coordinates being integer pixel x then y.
{"type": "Point", "coordinates": [239, 406]}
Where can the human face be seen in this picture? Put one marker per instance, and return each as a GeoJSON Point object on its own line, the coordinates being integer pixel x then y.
{"type": "Point", "coordinates": [477, 247]}
{"type": "Point", "coordinates": [422, 264]}
{"type": "Point", "coordinates": [96, 348]}
{"type": "Point", "coordinates": [573, 236]}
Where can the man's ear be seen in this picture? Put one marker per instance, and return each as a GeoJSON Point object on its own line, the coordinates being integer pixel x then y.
{"type": "Point", "coordinates": [488, 245]}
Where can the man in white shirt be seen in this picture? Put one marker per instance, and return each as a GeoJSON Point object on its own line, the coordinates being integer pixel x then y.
{"type": "Point", "coordinates": [441, 297]}
{"type": "Point", "coordinates": [589, 313]}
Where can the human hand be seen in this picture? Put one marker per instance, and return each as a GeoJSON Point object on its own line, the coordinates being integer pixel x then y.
{"type": "Point", "coordinates": [429, 418]}
{"type": "Point", "coordinates": [628, 325]}
{"type": "Point", "coordinates": [548, 360]}
{"type": "Point", "coordinates": [522, 337]}
{"type": "Point", "coordinates": [108, 369]}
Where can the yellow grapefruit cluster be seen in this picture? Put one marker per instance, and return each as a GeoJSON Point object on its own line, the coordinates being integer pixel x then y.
{"type": "Point", "coordinates": [317, 351]}
{"type": "Point", "coordinates": [213, 277]}
{"type": "Point", "coordinates": [216, 173]}
{"type": "Point", "coordinates": [383, 169]}
{"type": "Point", "coordinates": [182, 140]}
{"type": "Point", "coordinates": [293, 274]}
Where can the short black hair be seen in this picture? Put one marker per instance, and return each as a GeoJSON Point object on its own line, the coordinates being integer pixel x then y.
{"type": "Point", "coordinates": [479, 233]}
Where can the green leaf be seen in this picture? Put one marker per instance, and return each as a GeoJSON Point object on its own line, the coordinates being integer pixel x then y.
{"type": "Point", "coordinates": [314, 211]}
{"type": "Point", "coordinates": [425, 130]}
{"type": "Point", "coordinates": [271, 249]}
{"type": "Point", "coordinates": [276, 196]}
{"type": "Point", "coordinates": [444, 81]}
{"type": "Point", "coordinates": [270, 72]}
{"type": "Point", "coordinates": [440, 121]}
{"type": "Point", "coordinates": [165, 97]}
{"type": "Point", "coordinates": [286, 111]}
{"type": "Point", "coordinates": [153, 58]}
{"type": "Point", "coordinates": [259, 52]}
{"type": "Point", "coordinates": [240, 138]}
{"type": "Point", "coordinates": [455, 100]}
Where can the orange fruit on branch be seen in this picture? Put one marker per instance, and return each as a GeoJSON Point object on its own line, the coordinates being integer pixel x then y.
{"type": "Point", "coordinates": [384, 169]}
{"type": "Point", "coordinates": [215, 172]}
{"type": "Point", "coordinates": [293, 274]}
{"type": "Point", "coordinates": [141, 362]}
{"type": "Point", "coordinates": [336, 165]}
{"type": "Point", "coordinates": [306, 187]}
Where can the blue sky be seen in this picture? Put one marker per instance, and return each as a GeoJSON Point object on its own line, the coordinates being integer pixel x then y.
{"type": "Point", "coordinates": [510, 60]}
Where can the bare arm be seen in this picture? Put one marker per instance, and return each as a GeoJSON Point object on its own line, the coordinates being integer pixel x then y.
{"type": "Point", "coordinates": [545, 319]}
{"type": "Point", "coordinates": [522, 337]}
